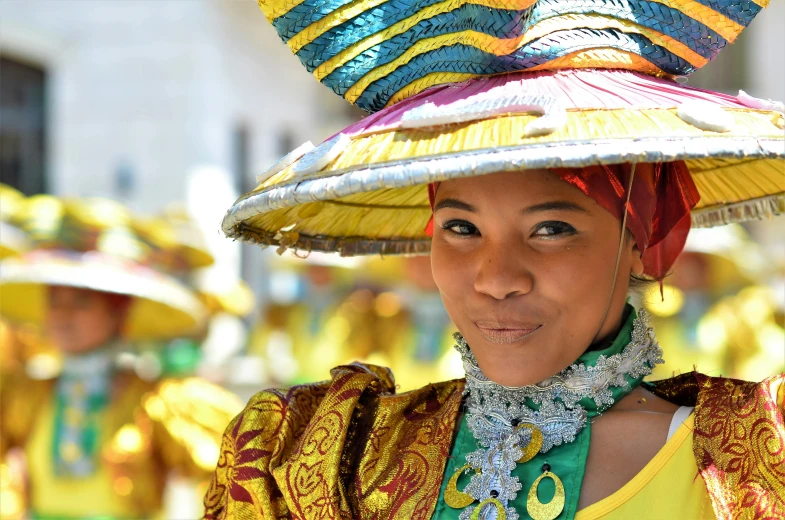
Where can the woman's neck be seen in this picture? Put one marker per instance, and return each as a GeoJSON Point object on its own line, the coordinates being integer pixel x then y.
{"type": "Point", "coordinates": [96, 360]}
{"type": "Point", "coordinates": [608, 339]}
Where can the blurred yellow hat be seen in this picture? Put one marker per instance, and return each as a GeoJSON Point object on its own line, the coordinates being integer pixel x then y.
{"type": "Point", "coordinates": [188, 237]}
{"type": "Point", "coordinates": [176, 240]}
{"type": "Point", "coordinates": [13, 240]}
{"type": "Point", "coordinates": [90, 244]}
{"type": "Point", "coordinates": [236, 299]}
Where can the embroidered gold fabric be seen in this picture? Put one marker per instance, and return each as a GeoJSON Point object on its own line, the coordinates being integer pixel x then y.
{"type": "Point", "coordinates": [739, 445]}
{"type": "Point", "coordinates": [351, 448]}
{"type": "Point", "coordinates": [155, 427]}
{"type": "Point", "coordinates": [345, 448]}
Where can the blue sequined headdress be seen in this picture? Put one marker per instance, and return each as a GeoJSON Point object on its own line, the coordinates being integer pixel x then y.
{"type": "Point", "coordinates": [370, 51]}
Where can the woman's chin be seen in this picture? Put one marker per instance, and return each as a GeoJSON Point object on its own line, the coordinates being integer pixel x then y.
{"type": "Point", "coordinates": [77, 348]}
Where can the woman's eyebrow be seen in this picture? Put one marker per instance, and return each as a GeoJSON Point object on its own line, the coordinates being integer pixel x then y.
{"type": "Point", "coordinates": [454, 203]}
{"type": "Point", "coordinates": [555, 205]}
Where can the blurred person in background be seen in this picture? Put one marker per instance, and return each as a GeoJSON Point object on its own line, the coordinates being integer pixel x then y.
{"type": "Point", "coordinates": [16, 344]}
{"type": "Point", "coordinates": [177, 248]}
{"type": "Point", "coordinates": [295, 334]}
{"type": "Point", "coordinates": [549, 162]}
{"type": "Point", "coordinates": [101, 432]}
{"type": "Point", "coordinates": [716, 312]}
{"type": "Point", "coordinates": [326, 312]}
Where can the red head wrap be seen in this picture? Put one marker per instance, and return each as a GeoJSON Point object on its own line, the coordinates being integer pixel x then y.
{"type": "Point", "coordinates": [659, 211]}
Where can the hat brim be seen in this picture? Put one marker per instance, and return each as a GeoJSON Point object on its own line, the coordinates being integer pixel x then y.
{"type": "Point", "coordinates": [162, 307]}
{"type": "Point", "coordinates": [371, 199]}
{"type": "Point", "coordinates": [13, 241]}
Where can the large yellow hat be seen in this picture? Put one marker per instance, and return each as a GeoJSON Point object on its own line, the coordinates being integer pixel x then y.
{"type": "Point", "coordinates": [90, 244]}
{"type": "Point", "coordinates": [13, 240]}
{"type": "Point", "coordinates": [463, 89]}
{"type": "Point", "coordinates": [176, 239]}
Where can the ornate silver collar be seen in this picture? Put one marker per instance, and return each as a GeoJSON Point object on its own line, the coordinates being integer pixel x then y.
{"type": "Point", "coordinates": [496, 413]}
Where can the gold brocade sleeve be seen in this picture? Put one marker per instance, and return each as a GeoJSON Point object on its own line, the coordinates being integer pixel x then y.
{"type": "Point", "coordinates": [739, 445]}
{"type": "Point", "coordinates": [20, 399]}
{"type": "Point", "coordinates": [346, 448]}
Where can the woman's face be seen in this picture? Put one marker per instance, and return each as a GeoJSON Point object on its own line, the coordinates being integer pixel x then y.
{"type": "Point", "coordinates": [524, 263]}
{"type": "Point", "coordinates": [80, 320]}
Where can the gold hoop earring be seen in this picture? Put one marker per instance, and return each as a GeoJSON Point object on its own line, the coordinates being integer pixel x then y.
{"type": "Point", "coordinates": [539, 511]}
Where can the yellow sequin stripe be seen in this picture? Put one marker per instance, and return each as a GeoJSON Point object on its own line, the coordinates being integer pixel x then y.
{"type": "Point", "coordinates": [603, 59]}
{"type": "Point", "coordinates": [394, 30]}
{"type": "Point", "coordinates": [501, 47]}
{"type": "Point", "coordinates": [337, 17]}
{"type": "Point", "coordinates": [718, 22]}
{"type": "Point", "coordinates": [723, 25]}
{"type": "Point", "coordinates": [349, 11]}
{"type": "Point", "coordinates": [594, 58]}
{"type": "Point", "coordinates": [272, 9]}
{"type": "Point", "coordinates": [375, 39]}
{"type": "Point", "coordinates": [429, 80]}
{"type": "Point", "coordinates": [483, 41]}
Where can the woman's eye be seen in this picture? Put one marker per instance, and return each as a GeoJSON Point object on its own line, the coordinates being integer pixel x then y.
{"type": "Point", "coordinates": [552, 229]}
{"type": "Point", "coordinates": [460, 227]}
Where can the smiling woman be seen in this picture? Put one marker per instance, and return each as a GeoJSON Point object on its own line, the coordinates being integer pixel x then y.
{"type": "Point", "coordinates": [511, 254]}
{"type": "Point", "coordinates": [544, 156]}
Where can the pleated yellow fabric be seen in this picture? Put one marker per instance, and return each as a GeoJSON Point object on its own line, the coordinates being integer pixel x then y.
{"type": "Point", "coordinates": [398, 215]}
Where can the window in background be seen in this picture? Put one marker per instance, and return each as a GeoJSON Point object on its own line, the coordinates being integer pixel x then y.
{"type": "Point", "coordinates": [243, 183]}
{"type": "Point", "coordinates": [240, 158]}
{"type": "Point", "coordinates": [22, 126]}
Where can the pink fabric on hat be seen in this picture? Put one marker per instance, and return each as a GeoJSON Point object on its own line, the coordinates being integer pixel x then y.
{"type": "Point", "coordinates": [574, 88]}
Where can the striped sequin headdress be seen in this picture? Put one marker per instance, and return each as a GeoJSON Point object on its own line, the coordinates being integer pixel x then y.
{"type": "Point", "coordinates": [461, 88]}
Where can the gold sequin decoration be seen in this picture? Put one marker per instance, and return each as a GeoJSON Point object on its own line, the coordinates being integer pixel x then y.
{"type": "Point", "coordinates": [539, 511]}
{"type": "Point", "coordinates": [534, 445]}
{"type": "Point", "coordinates": [501, 514]}
{"type": "Point", "coordinates": [454, 498]}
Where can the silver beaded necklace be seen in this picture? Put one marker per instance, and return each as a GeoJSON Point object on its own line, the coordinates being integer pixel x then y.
{"type": "Point", "coordinates": [496, 413]}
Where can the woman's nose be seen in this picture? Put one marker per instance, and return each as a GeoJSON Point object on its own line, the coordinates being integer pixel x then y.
{"type": "Point", "coordinates": [503, 273]}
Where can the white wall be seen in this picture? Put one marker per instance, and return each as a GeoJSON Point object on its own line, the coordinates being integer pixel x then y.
{"type": "Point", "coordinates": [767, 52]}
{"type": "Point", "coordinates": [158, 86]}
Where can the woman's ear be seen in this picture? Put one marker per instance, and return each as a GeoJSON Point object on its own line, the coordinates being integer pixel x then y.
{"type": "Point", "coordinates": [636, 266]}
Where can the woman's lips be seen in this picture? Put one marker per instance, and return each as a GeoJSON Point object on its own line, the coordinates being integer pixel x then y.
{"type": "Point", "coordinates": [505, 333]}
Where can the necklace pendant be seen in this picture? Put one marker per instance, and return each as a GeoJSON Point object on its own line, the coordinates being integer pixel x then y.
{"type": "Point", "coordinates": [501, 513]}
{"type": "Point", "coordinates": [550, 511]}
{"type": "Point", "coordinates": [452, 496]}
{"type": "Point", "coordinates": [510, 430]}
{"type": "Point", "coordinates": [535, 444]}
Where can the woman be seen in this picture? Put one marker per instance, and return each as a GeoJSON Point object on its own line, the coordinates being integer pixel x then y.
{"type": "Point", "coordinates": [100, 436]}
{"type": "Point", "coordinates": [549, 190]}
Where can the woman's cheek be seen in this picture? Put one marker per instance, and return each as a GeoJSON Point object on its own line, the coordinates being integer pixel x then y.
{"type": "Point", "coordinates": [452, 273]}
{"type": "Point", "coordinates": [563, 274]}
{"type": "Point", "coordinates": [448, 273]}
